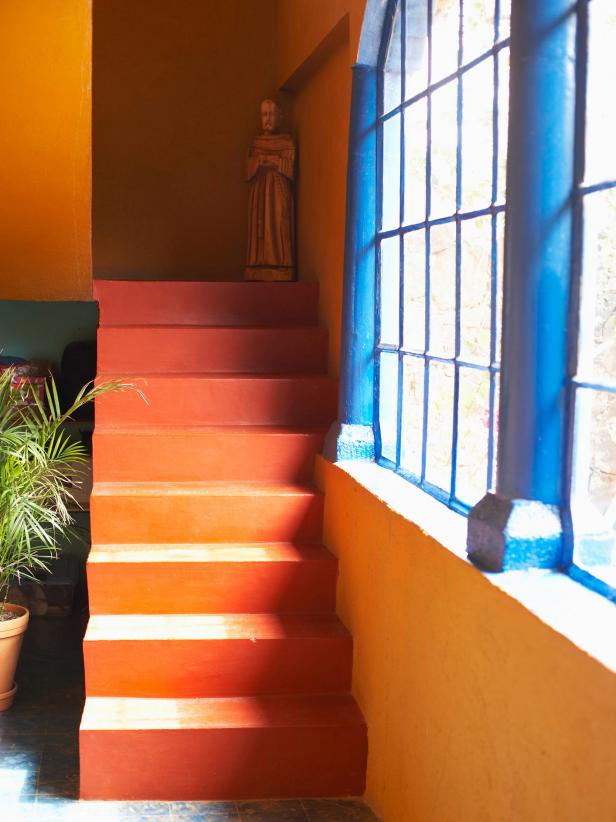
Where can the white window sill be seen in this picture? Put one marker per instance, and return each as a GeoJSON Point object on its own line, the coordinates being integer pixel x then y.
{"type": "Point", "coordinates": [584, 617]}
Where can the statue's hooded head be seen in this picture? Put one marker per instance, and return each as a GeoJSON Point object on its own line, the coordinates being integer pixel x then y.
{"type": "Point", "coordinates": [271, 116]}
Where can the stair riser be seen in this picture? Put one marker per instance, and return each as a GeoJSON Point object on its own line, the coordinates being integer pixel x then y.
{"type": "Point", "coordinates": [200, 303]}
{"type": "Point", "coordinates": [223, 350]}
{"type": "Point", "coordinates": [212, 588]}
{"type": "Point", "coordinates": [217, 668]}
{"type": "Point", "coordinates": [194, 518]}
{"type": "Point", "coordinates": [222, 401]}
{"type": "Point", "coordinates": [261, 709]}
{"type": "Point", "coordinates": [225, 763]}
{"type": "Point", "coordinates": [218, 455]}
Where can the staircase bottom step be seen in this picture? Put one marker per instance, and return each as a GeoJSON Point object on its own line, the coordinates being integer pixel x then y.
{"type": "Point", "coordinates": [239, 748]}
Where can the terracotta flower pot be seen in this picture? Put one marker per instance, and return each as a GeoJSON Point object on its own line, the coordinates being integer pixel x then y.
{"type": "Point", "coordinates": [11, 635]}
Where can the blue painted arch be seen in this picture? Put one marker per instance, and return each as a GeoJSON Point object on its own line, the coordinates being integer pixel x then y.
{"type": "Point", "coordinates": [352, 436]}
{"type": "Point", "coordinates": [371, 36]}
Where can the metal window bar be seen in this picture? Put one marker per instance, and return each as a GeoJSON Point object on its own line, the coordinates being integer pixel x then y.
{"type": "Point", "coordinates": [575, 382]}
{"type": "Point", "coordinates": [492, 209]}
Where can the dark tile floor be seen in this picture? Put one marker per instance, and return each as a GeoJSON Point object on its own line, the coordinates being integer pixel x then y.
{"type": "Point", "coordinates": [39, 763]}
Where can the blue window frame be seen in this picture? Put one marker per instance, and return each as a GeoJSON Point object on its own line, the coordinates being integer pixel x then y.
{"type": "Point", "coordinates": [441, 143]}
{"type": "Point", "coordinates": [416, 117]}
{"type": "Point", "coordinates": [591, 514]}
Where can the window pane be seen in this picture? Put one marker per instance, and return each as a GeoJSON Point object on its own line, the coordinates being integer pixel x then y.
{"type": "Point", "coordinates": [388, 404]}
{"type": "Point", "coordinates": [392, 73]}
{"type": "Point", "coordinates": [440, 425]}
{"type": "Point", "coordinates": [445, 34]}
{"type": "Point", "coordinates": [594, 478]}
{"type": "Point", "coordinates": [597, 347]}
{"type": "Point", "coordinates": [452, 271]}
{"type": "Point", "coordinates": [500, 265]}
{"type": "Point", "coordinates": [473, 432]}
{"type": "Point", "coordinates": [503, 123]}
{"type": "Point", "coordinates": [478, 28]}
{"type": "Point", "coordinates": [476, 290]}
{"type": "Point", "coordinates": [504, 26]}
{"type": "Point", "coordinates": [391, 173]}
{"type": "Point", "coordinates": [390, 290]}
{"type": "Point", "coordinates": [415, 290]}
{"type": "Point", "coordinates": [494, 423]}
{"type": "Point", "coordinates": [442, 289]}
{"type": "Point", "coordinates": [600, 111]}
{"type": "Point", "coordinates": [412, 415]}
{"type": "Point", "coordinates": [443, 150]}
{"type": "Point", "coordinates": [416, 47]}
{"type": "Point", "coordinates": [477, 136]}
{"type": "Point", "coordinates": [415, 136]}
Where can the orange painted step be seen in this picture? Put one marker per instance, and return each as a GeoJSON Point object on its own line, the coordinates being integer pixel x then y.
{"type": "Point", "coordinates": [199, 655]}
{"type": "Point", "coordinates": [123, 302]}
{"type": "Point", "coordinates": [238, 748]}
{"type": "Point", "coordinates": [221, 400]}
{"type": "Point", "coordinates": [204, 512]}
{"type": "Point", "coordinates": [214, 578]}
{"type": "Point", "coordinates": [181, 349]}
{"type": "Point", "coordinates": [259, 453]}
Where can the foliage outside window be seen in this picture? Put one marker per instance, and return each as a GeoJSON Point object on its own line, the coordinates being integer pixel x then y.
{"type": "Point", "coordinates": [593, 382]}
{"type": "Point", "coordinates": [443, 114]}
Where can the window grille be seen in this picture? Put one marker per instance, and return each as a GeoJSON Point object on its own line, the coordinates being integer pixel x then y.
{"type": "Point", "coordinates": [442, 134]}
{"type": "Point", "coordinates": [592, 386]}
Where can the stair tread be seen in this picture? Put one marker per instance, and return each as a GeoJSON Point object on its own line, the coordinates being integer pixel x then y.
{"type": "Point", "coordinates": [210, 552]}
{"type": "Point", "coordinates": [102, 713]}
{"type": "Point", "coordinates": [210, 327]}
{"type": "Point", "coordinates": [181, 429]}
{"type": "Point", "coordinates": [215, 488]}
{"type": "Point", "coordinates": [206, 284]}
{"type": "Point", "coordinates": [226, 627]}
{"type": "Point", "coordinates": [214, 375]}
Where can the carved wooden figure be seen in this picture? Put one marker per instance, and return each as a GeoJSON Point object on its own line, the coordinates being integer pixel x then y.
{"type": "Point", "coordinates": [270, 170]}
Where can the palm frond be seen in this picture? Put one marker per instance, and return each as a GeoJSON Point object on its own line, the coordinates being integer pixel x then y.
{"type": "Point", "coordinates": [40, 465]}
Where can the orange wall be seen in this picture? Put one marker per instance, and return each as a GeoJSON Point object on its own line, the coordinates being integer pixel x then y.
{"type": "Point", "coordinates": [322, 133]}
{"type": "Point", "coordinates": [304, 24]}
{"type": "Point", "coordinates": [476, 710]}
{"type": "Point", "coordinates": [45, 100]}
{"type": "Point", "coordinates": [320, 84]}
{"type": "Point", "coordinates": [177, 88]}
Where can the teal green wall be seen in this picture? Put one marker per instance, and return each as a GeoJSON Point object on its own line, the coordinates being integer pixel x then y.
{"type": "Point", "coordinates": [42, 330]}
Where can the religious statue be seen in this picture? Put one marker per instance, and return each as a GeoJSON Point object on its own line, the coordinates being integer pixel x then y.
{"type": "Point", "coordinates": [270, 170]}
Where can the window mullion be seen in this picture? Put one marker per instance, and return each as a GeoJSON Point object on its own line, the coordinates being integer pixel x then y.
{"type": "Point", "coordinates": [495, 250]}
{"type": "Point", "coordinates": [426, 385]}
{"type": "Point", "coordinates": [399, 405]}
{"type": "Point", "coordinates": [520, 526]}
{"type": "Point", "coordinates": [458, 263]}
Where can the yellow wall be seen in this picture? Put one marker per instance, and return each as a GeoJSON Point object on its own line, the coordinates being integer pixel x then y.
{"type": "Point", "coordinates": [45, 105]}
{"type": "Point", "coordinates": [476, 710]}
{"type": "Point", "coordinates": [320, 84]}
{"type": "Point", "coordinates": [177, 88]}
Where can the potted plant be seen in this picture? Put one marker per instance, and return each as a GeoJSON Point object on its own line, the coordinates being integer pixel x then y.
{"type": "Point", "coordinates": [40, 465]}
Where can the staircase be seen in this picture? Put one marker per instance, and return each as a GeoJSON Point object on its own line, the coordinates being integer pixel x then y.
{"type": "Point", "coordinates": [215, 665]}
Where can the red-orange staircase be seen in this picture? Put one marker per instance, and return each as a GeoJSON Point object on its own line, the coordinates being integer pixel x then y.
{"type": "Point", "coordinates": [215, 665]}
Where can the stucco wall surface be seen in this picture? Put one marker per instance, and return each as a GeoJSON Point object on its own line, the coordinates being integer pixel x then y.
{"type": "Point", "coordinates": [177, 88]}
{"type": "Point", "coordinates": [45, 146]}
{"type": "Point", "coordinates": [321, 126]}
{"type": "Point", "coordinates": [320, 99]}
{"type": "Point", "coordinates": [304, 24]}
{"type": "Point", "coordinates": [476, 710]}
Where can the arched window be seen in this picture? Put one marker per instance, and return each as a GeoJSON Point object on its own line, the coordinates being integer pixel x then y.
{"type": "Point", "coordinates": [433, 386]}
{"type": "Point", "coordinates": [442, 125]}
